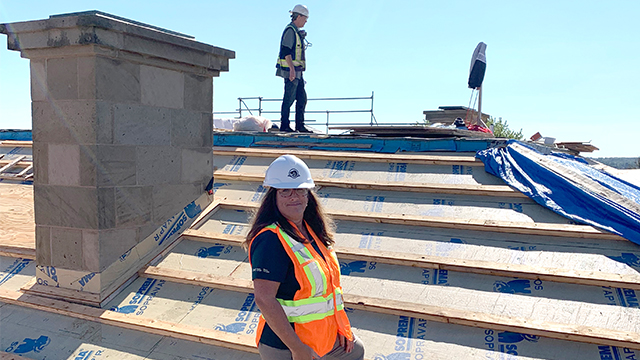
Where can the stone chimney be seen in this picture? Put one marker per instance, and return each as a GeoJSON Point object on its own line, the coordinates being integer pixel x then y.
{"type": "Point", "coordinates": [122, 145]}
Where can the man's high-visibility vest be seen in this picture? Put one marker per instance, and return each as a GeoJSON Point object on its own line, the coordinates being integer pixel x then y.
{"type": "Point", "coordinates": [298, 57]}
{"type": "Point", "coordinates": [317, 309]}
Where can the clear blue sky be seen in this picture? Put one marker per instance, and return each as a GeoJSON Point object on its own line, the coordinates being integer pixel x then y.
{"type": "Point", "coordinates": [568, 69]}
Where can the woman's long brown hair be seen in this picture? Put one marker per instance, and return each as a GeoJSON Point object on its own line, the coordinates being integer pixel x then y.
{"type": "Point", "coordinates": [268, 214]}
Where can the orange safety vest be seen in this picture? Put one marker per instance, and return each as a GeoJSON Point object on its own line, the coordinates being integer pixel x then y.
{"type": "Point", "coordinates": [317, 309]}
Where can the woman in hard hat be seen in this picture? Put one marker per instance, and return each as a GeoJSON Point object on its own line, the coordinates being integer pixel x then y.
{"type": "Point", "coordinates": [296, 274]}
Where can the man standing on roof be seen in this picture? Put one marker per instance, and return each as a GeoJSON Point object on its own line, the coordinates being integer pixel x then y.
{"type": "Point", "coordinates": [291, 64]}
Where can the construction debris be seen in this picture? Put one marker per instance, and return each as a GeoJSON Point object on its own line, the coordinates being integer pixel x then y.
{"type": "Point", "coordinates": [577, 147]}
{"type": "Point", "coordinates": [413, 131]}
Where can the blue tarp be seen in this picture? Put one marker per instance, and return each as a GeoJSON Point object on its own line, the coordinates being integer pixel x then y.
{"type": "Point", "coordinates": [569, 186]}
{"type": "Point", "coordinates": [353, 143]}
{"type": "Point", "coordinates": [22, 135]}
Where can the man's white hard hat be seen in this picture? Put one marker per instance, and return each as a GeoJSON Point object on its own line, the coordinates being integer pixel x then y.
{"type": "Point", "coordinates": [300, 9]}
{"type": "Point", "coordinates": [288, 172]}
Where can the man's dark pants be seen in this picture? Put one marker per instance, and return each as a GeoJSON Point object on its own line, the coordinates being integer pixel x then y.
{"type": "Point", "coordinates": [293, 90]}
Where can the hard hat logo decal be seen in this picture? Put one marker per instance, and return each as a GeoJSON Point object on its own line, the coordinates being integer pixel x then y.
{"type": "Point", "coordinates": [293, 173]}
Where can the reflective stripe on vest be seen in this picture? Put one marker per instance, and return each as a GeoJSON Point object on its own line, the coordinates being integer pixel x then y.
{"type": "Point", "coordinates": [297, 59]}
{"type": "Point", "coordinates": [321, 304]}
{"type": "Point", "coordinates": [316, 276]}
{"type": "Point", "coordinates": [315, 308]}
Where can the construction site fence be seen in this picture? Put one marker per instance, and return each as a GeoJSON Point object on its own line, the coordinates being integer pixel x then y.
{"type": "Point", "coordinates": [261, 111]}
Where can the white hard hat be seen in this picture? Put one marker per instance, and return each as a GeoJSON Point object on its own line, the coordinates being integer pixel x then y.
{"type": "Point", "coordinates": [288, 172]}
{"type": "Point", "coordinates": [300, 9]}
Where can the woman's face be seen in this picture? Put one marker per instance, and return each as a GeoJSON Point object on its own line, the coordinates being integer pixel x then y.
{"type": "Point", "coordinates": [292, 203]}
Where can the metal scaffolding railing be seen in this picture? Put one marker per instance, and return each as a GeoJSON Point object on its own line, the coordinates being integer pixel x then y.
{"type": "Point", "coordinates": [243, 107]}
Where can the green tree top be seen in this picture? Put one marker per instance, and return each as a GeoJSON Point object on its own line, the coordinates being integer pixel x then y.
{"type": "Point", "coordinates": [501, 129]}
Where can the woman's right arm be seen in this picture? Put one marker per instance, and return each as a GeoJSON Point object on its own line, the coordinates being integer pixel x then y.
{"type": "Point", "coordinates": [265, 295]}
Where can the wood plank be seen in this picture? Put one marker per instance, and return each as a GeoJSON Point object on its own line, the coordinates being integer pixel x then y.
{"type": "Point", "coordinates": [569, 332]}
{"type": "Point", "coordinates": [198, 279]}
{"type": "Point", "coordinates": [12, 177]}
{"type": "Point", "coordinates": [20, 163]}
{"type": "Point", "coordinates": [457, 189]}
{"type": "Point", "coordinates": [571, 276]}
{"type": "Point", "coordinates": [15, 177]}
{"type": "Point", "coordinates": [81, 297]}
{"type": "Point", "coordinates": [21, 173]}
{"type": "Point", "coordinates": [16, 143]}
{"type": "Point", "coordinates": [129, 321]}
{"type": "Point", "coordinates": [17, 251]}
{"type": "Point", "coordinates": [577, 146]}
{"type": "Point", "coordinates": [12, 163]}
{"type": "Point", "coordinates": [353, 156]}
{"type": "Point", "coordinates": [561, 230]}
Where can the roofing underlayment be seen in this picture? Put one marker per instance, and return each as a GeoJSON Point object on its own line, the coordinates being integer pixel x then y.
{"type": "Point", "coordinates": [440, 260]}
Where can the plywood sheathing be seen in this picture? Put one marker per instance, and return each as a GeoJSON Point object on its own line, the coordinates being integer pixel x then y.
{"type": "Point", "coordinates": [43, 334]}
{"type": "Point", "coordinates": [236, 198]}
{"type": "Point", "coordinates": [17, 226]}
{"type": "Point", "coordinates": [402, 284]}
{"type": "Point", "coordinates": [15, 272]}
{"type": "Point", "coordinates": [630, 280]}
{"type": "Point", "coordinates": [397, 258]}
{"type": "Point", "coordinates": [232, 193]}
{"type": "Point", "coordinates": [384, 302]}
{"type": "Point", "coordinates": [388, 181]}
{"type": "Point", "coordinates": [60, 336]}
{"type": "Point", "coordinates": [401, 245]}
{"type": "Point", "coordinates": [107, 317]}
{"type": "Point", "coordinates": [208, 309]}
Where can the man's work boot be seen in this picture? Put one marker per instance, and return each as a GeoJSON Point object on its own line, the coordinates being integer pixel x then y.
{"type": "Point", "coordinates": [285, 125]}
{"type": "Point", "coordinates": [303, 129]}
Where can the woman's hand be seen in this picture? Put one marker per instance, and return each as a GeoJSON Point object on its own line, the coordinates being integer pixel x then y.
{"type": "Point", "coordinates": [265, 292]}
{"type": "Point", "coordinates": [345, 343]}
{"type": "Point", "coordinates": [304, 352]}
